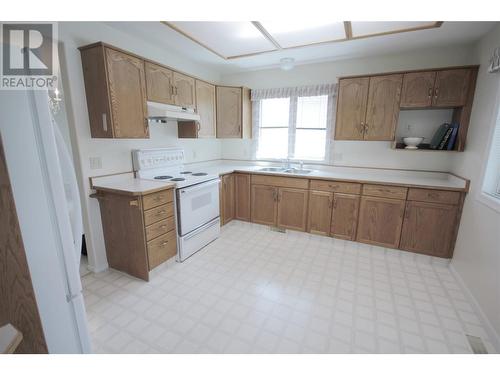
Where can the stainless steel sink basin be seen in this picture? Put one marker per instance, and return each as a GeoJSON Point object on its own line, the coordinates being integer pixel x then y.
{"type": "Point", "coordinates": [297, 171]}
{"type": "Point", "coordinates": [272, 169]}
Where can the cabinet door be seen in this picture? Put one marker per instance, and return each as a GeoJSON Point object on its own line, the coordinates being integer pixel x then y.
{"type": "Point", "coordinates": [351, 108]}
{"type": "Point", "coordinates": [264, 202]}
{"type": "Point", "coordinates": [227, 198]}
{"type": "Point", "coordinates": [429, 228]}
{"type": "Point", "coordinates": [229, 118]}
{"type": "Point", "coordinates": [205, 105]}
{"type": "Point", "coordinates": [127, 91]}
{"type": "Point", "coordinates": [345, 216]}
{"type": "Point", "coordinates": [292, 208]}
{"type": "Point", "coordinates": [382, 111]}
{"type": "Point", "coordinates": [242, 196]}
{"type": "Point", "coordinates": [451, 88]}
{"type": "Point", "coordinates": [159, 83]}
{"type": "Point", "coordinates": [320, 212]}
{"type": "Point", "coordinates": [184, 90]}
{"type": "Point", "coordinates": [418, 89]}
{"type": "Point", "coordinates": [380, 221]}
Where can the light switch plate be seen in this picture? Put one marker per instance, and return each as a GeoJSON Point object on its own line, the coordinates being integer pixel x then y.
{"type": "Point", "coordinates": [95, 162]}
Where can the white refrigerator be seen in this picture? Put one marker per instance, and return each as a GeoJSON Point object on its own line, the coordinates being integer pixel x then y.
{"type": "Point", "coordinates": [48, 207]}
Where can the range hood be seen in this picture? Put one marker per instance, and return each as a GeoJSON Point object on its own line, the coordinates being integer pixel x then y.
{"type": "Point", "coordinates": [163, 112]}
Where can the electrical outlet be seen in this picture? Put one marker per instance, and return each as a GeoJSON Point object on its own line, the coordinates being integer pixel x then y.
{"type": "Point", "coordinates": [95, 162]}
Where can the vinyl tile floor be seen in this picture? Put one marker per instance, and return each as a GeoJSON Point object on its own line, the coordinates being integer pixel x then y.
{"type": "Point", "coordinates": [254, 290]}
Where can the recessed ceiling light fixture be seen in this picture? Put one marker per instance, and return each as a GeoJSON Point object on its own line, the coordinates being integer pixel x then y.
{"type": "Point", "coordinates": [287, 63]}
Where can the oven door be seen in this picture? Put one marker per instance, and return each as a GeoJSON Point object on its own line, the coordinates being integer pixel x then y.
{"type": "Point", "coordinates": [197, 205]}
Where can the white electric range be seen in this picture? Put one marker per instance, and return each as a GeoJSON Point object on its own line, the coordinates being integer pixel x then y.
{"type": "Point", "coordinates": [196, 192]}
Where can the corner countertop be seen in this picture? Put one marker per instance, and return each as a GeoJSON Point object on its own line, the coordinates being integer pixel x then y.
{"type": "Point", "coordinates": [125, 183]}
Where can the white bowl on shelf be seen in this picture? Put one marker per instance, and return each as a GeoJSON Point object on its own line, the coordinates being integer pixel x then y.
{"type": "Point", "coordinates": [412, 142]}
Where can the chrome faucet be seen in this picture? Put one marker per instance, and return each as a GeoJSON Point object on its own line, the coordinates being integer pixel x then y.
{"type": "Point", "coordinates": [286, 163]}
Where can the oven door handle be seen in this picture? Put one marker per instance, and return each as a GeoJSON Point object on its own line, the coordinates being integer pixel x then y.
{"type": "Point", "coordinates": [200, 186]}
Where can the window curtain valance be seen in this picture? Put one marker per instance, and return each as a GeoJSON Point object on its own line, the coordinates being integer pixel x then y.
{"type": "Point", "coordinates": [495, 61]}
{"type": "Point", "coordinates": [287, 92]}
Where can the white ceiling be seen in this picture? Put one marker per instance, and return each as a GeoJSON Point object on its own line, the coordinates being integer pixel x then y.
{"type": "Point", "coordinates": [222, 41]}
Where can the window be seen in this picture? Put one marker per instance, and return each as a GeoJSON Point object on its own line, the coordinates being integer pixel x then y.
{"type": "Point", "coordinates": [491, 184]}
{"type": "Point", "coordinates": [294, 128]}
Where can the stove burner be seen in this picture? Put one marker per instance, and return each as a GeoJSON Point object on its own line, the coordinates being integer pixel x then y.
{"type": "Point", "coordinates": [162, 177]}
{"type": "Point", "coordinates": [186, 172]}
{"type": "Point", "coordinates": [200, 174]}
{"type": "Point", "coordinates": [177, 179]}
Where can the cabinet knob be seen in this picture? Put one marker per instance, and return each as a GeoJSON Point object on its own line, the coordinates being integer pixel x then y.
{"type": "Point", "coordinates": [436, 93]}
{"type": "Point", "coordinates": [430, 92]}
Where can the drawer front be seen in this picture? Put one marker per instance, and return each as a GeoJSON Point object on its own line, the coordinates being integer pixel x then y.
{"type": "Point", "coordinates": [435, 196]}
{"type": "Point", "coordinates": [159, 228]}
{"type": "Point", "coordinates": [336, 186]}
{"type": "Point", "coordinates": [298, 183]}
{"type": "Point", "coordinates": [158, 213]}
{"type": "Point", "coordinates": [161, 249]}
{"type": "Point", "coordinates": [395, 192]}
{"type": "Point", "coordinates": [157, 199]}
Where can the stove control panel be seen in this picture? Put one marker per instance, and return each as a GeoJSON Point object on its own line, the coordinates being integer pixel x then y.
{"type": "Point", "coordinates": [157, 158]}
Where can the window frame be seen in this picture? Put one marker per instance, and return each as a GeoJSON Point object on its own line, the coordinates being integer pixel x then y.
{"type": "Point", "coordinates": [292, 129]}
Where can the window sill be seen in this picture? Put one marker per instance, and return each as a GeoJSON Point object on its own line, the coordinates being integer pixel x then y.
{"type": "Point", "coordinates": [489, 201]}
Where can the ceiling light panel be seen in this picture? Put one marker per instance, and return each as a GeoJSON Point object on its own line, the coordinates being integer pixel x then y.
{"type": "Point", "coordinates": [360, 29]}
{"type": "Point", "coordinates": [226, 38]}
{"type": "Point", "coordinates": [292, 33]}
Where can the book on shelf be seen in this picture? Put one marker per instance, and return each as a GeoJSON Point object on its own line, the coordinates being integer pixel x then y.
{"type": "Point", "coordinates": [438, 136]}
{"type": "Point", "coordinates": [445, 137]}
{"type": "Point", "coordinates": [453, 137]}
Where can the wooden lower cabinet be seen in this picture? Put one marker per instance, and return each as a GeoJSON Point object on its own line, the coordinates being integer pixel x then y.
{"type": "Point", "coordinates": [139, 231]}
{"type": "Point", "coordinates": [292, 208]}
{"type": "Point", "coordinates": [264, 203]}
{"type": "Point", "coordinates": [242, 196]}
{"type": "Point", "coordinates": [429, 228]}
{"type": "Point", "coordinates": [344, 216]}
{"type": "Point", "coordinates": [380, 221]}
{"type": "Point", "coordinates": [320, 212]}
{"type": "Point", "coordinates": [227, 211]}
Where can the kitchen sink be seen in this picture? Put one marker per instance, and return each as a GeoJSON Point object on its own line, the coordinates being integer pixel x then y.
{"type": "Point", "coordinates": [297, 171]}
{"type": "Point", "coordinates": [272, 169]}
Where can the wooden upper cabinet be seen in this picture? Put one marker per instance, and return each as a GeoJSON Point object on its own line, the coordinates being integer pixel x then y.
{"type": "Point", "coordinates": [344, 216]}
{"type": "Point", "coordinates": [351, 108]}
{"type": "Point", "coordinates": [320, 212]}
{"type": "Point", "coordinates": [292, 208]}
{"type": "Point", "coordinates": [382, 110]}
{"type": "Point", "coordinates": [451, 88]}
{"type": "Point", "coordinates": [429, 228]}
{"type": "Point", "coordinates": [159, 83]}
{"type": "Point", "coordinates": [380, 221]}
{"type": "Point", "coordinates": [127, 93]}
{"type": "Point", "coordinates": [115, 87]}
{"type": "Point", "coordinates": [205, 104]}
{"type": "Point", "coordinates": [418, 89]}
{"type": "Point", "coordinates": [264, 203]}
{"type": "Point", "coordinates": [234, 113]}
{"type": "Point", "coordinates": [242, 196]}
{"type": "Point", "coordinates": [184, 90]}
{"type": "Point", "coordinates": [227, 197]}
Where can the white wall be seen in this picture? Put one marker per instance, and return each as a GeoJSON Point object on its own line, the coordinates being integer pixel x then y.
{"type": "Point", "coordinates": [354, 153]}
{"type": "Point", "coordinates": [477, 252]}
{"type": "Point", "coordinates": [115, 154]}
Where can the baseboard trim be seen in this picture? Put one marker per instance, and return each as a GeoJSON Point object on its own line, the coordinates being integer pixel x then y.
{"type": "Point", "coordinates": [98, 268]}
{"type": "Point", "coordinates": [494, 335]}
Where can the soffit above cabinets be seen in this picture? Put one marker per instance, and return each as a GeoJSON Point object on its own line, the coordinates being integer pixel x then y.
{"type": "Point", "coordinates": [233, 40]}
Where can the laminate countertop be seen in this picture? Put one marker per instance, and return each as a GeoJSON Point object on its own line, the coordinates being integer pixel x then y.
{"type": "Point", "coordinates": [125, 183]}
